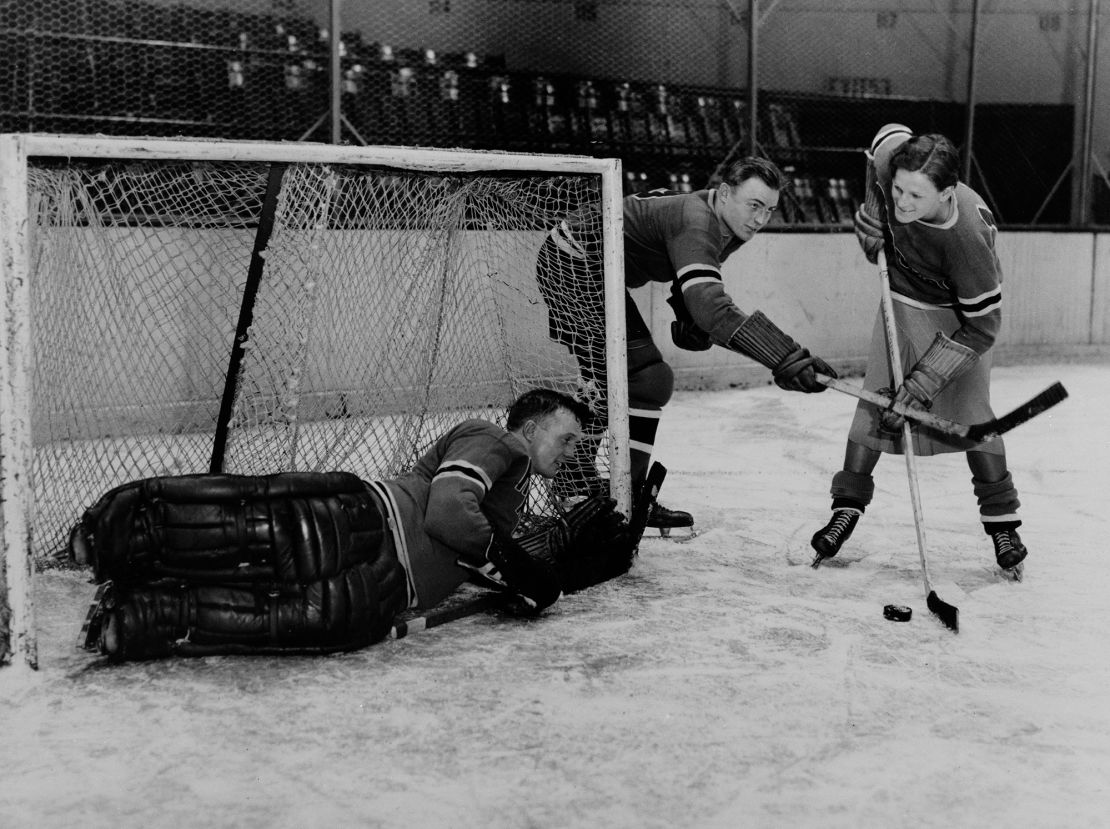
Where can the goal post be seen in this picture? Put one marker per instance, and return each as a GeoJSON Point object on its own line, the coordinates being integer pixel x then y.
{"type": "Point", "coordinates": [181, 306]}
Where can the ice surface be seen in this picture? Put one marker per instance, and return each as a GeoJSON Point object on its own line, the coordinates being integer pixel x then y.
{"type": "Point", "coordinates": [722, 683]}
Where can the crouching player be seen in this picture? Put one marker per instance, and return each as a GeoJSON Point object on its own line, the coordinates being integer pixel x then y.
{"type": "Point", "coordinates": [319, 562]}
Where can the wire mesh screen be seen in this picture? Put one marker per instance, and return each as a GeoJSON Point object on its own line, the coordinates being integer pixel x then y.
{"type": "Point", "coordinates": [665, 85]}
{"type": "Point", "coordinates": [393, 305]}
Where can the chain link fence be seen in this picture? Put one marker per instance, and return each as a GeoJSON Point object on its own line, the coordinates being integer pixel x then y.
{"type": "Point", "coordinates": [674, 88]}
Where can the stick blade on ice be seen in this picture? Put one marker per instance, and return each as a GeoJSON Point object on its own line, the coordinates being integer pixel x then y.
{"type": "Point", "coordinates": [947, 613]}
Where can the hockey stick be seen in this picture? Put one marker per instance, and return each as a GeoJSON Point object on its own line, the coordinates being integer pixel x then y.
{"type": "Point", "coordinates": [434, 618]}
{"type": "Point", "coordinates": [641, 510]}
{"type": "Point", "coordinates": [948, 614]}
{"type": "Point", "coordinates": [977, 432]}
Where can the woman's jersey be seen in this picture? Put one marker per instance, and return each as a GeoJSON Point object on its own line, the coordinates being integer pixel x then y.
{"type": "Point", "coordinates": [950, 265]}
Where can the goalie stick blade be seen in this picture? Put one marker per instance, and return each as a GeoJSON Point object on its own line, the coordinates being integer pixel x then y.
{"type": "Point", "coordinates": [641, 509]}
{"type": "Point", "coordinates": [1026, 411]}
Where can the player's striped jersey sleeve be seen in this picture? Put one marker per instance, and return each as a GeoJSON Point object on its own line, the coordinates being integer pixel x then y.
{"type": "Point", "coordinates": [712, 309]}
{"type": "Point", "coordinates": [671, 236]}
{"type": "Point", "coordinates": [678, 236]}
{"type": "Point", "coordinates": [479, 482]}
{"type": "Point", "coordinates": [974, 272]}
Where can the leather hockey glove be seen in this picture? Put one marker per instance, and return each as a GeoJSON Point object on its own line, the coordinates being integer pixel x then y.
{"type": "Point", "coordinates": [870, 219]}
{"type": "Point", "coordinates": [943, 362]}
{"type": "Point", "coordinates": [602, 549]}
{"type": "Point", "coordinates": [869, 234]}
{"type": "Point", "coordinates": [533, 580]}
{"type": "Point", "coordinates": [685, 333]}
{"type": "Point", "coordinates": [549, 541]}
{"type": "Point", "coordinates": [792, 367]}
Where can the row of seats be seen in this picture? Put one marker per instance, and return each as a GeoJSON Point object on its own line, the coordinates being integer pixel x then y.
{"type": "Point", "coordinates": [667, 135]}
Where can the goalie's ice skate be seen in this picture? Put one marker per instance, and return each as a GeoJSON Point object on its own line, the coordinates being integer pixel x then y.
{"type": "Point", "coordinates": [1009, 553]}
{"type": "Point", "coordinates": [89, 637]}
{"type": "Point", "coordinates": [665, 520]}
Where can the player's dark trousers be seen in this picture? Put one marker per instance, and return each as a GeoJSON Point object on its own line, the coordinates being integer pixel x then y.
{"type": "Point", "coordinates": [572, 286]}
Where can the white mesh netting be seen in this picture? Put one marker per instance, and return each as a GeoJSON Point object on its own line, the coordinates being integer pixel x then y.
{"type": "Point", "coordinates": [392, 305]}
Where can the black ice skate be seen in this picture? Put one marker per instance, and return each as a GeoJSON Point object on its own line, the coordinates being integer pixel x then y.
{"type": "Point", "coordinates": [665, 520]}
{"type": "Point", "coordinates": [828, 540]}
{"type": "Point", "coordinates": [1009, 552]}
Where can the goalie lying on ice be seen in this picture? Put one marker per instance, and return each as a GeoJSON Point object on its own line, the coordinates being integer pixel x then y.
{"type": "Point", "coordinates": [306, 562]}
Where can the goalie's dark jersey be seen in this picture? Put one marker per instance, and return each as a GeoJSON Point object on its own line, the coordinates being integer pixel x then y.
{"type": "Point", "coordinates": [472, 481]}
{"type": "Point", "coordinates": [951, 265]}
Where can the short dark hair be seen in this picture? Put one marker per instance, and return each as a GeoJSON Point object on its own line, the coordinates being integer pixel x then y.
{"type": "Point", "coordinates": [752, 167]}
{"type": "Point", "coordinates": [537, 403]}
{"type": "Point", "coordinates": [932, 155]}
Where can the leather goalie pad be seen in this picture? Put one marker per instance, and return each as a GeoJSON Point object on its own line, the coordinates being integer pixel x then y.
{"type": "Point", "coordinates": [291, 527]}
{"type": "Point", "coordinates": [348, 611]}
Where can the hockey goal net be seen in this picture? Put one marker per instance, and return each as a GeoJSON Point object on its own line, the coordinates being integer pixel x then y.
{"type": "Point", "coordinates": [176, 307]}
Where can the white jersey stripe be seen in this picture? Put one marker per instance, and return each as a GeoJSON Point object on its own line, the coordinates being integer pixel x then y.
{"type": "Point", "coordinates": [458, 473]}
{"type": "Point", "coordinates": [399, 543]}
{"type": "Point", "coordinates": [916, 303]}
{"type": "Point", "coordinates": [982, 312]}
{"type": "Point", "coordinates": [975, 300]}
{"type": "Point", "coordinates": [464, 468]}
{"type": "Point", "coordinates": [697, 267]}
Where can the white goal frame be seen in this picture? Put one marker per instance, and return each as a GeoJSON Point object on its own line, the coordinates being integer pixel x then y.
{"type": "Point", "coordinates": [16, 448]}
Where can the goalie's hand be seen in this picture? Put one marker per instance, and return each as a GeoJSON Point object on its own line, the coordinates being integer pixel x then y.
{"type": "Point", "coordinates": [798, 372]}
{"type": "Point", "coordinates": [586, 512]}
{"type": "Point", "coordinates": [869, 234]}
{"type": "Point", "coordinates": [535, 581]}
{"type": "Point", "coordinates": [602, 549]}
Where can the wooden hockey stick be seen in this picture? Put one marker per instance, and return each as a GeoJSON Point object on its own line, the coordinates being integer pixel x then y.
{"type": "Point", "coordinates": [641, 508]}
{"type": "Point", "coordinates": [977, 432]}
{"type": "Point", "coordinates": [436, 617]}
{"type": "Point", "coordinates": [948, 614]}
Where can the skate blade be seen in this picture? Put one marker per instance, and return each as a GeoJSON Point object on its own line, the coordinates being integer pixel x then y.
{"type": "Point", "coordinates": [89, 637]}
{"type": "Point", "coordinates": [1015, 573]}
{"type": "Point", "coordinates": [668, 534]}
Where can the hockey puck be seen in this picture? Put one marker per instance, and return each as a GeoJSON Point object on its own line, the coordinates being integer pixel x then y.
{"type": "Point", "coordinates": [897, 613]}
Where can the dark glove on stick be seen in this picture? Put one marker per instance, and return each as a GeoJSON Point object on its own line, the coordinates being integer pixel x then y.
{"type": "Point", "coordinates": [798, 372]}
{"type": "Point", "coordinates": [943, 362]}
{"type": "Point", "coordinates": [792, 367]}
{"type": "Point", "coordinates": [535, 581]}
{"type": "Point", "coordinates": [602, 549]}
